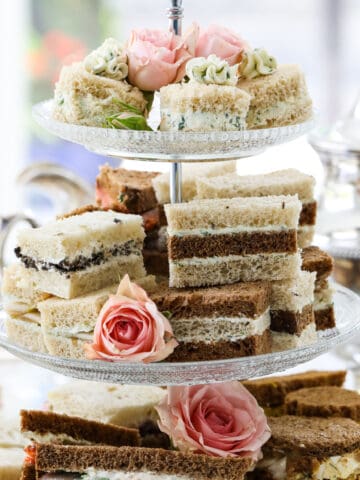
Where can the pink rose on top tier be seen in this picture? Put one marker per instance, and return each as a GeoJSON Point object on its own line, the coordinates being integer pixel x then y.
{"type": "Point", "coordinates": [131, 329]}
{"type": "Point", "coordinates": [222, 42]}
{"type": "Point", "coordinates": [222, 420]}
{"type": "Point", "coordinates": [157, 58]}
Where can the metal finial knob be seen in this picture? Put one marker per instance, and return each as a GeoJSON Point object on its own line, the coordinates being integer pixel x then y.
{"type": "Point", "coordinates": [175, 14]}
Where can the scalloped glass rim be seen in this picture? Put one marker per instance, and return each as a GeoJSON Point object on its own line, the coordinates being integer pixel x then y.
{"type": "Point", "coordinates": [347, 311]}
{"type": "Point", "coordinates": [168, 146]}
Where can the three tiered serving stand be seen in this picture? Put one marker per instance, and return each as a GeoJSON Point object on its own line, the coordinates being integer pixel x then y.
{"type": "Point", "coordinates": [178, 148]}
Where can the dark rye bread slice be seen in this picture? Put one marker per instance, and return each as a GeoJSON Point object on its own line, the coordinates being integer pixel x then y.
{"type": "Point", "coordinates": [37, 422]}
{"type": "Point", "coordinates": [238, 243]}
{"type": "Point", "coordinates": [28, 472]}
{"type": "Point", "coordinates": [156, 262]}
{"type": "Point", "coordinates": [316, 260]}
{"type": "Point", "coordinates": [239, 299]}
{"type": "Point", "coordinates": [312, 436]}
{"type": "Point", "coordinates": [52, 458]}
{"type": "Point", "coordinates": [201, 351]}
{"type": "Point", "coordinates": [308, 214]}
{"type": "Point", "coordinates": [324, 402]}
{"type": "Point", "coordinates": [126, 191]}
{"type": "Point", "coordinates": [271, 391]}
{"type": "Point", "coordinates": [291, 322]}
{"type": "Point", "coordinates": [325, 318]}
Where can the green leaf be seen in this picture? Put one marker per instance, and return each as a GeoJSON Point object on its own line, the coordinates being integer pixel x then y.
{"type": "Point", "coordinates": [167, 314]}
{"type": "Point", "coordinates": [125, 107]}
{"type": "Point", "coordinates": [149, 97]}
{"type": "Point", "coordinates": [127, 121]}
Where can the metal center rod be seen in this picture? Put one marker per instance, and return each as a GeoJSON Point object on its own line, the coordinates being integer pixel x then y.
{"type": "Point", "coordinates": [175, 14]}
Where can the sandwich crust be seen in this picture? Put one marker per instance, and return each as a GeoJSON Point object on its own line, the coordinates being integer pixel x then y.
{"type": "Point", "coordinates": [52, 458]}
{"type": "Point", "coordinates": [313, 436]}
{"type": "Point", "coordinates": [324, 402]}
{"type": "Point", "coordinates": [38, 423]}
{"type": "Point", "coordinates": [271, 391]}
{"type": "Point", "coordinates": [316, 260]}
{"type": "Point", "coordinates": [126, 191]}
{"type": "Point", "coordinates": [239, 299]}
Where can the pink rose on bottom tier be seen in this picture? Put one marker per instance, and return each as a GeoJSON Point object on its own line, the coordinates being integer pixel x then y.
{"type": "Point", "coordinates": [131, 329]}
{"type": "Point", "coordinates": [221, 419]}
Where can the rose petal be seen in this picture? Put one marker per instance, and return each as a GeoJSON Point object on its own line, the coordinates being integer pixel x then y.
{"type": "Point", "coordinates": [220, 419]}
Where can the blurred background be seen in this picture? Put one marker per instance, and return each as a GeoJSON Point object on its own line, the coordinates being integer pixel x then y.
{"type": "Point", "coordinates": [37, 37]}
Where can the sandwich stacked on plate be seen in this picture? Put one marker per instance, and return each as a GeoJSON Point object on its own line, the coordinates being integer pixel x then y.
{"type": "Point", "coordinates": [214, 249]}
{"type": "Point", "coordinates": [70, 447]}
{"type": "Point", "coordinates": [314, 426]}
{"type": "Point", "coordinates": [253, 238]}
{"type": "Point", "coordinates": [63, 263]}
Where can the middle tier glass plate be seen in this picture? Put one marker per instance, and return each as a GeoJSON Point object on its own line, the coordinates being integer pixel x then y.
{"type": "Point", "coordinates": [168, 146]}
{"type": "Point", "coordinates": [347, 311]}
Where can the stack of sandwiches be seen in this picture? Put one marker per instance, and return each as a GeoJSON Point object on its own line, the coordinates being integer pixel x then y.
{"type": "Point", "coordinates": [229, 232]}
{"type": "Point", "coordinates": [66, 447]}
{"type": "Point", "coordinates": [314, 426]}
{"type": "Point", "coordinates": [63, 263]}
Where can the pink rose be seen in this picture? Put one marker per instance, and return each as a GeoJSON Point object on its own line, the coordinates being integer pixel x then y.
{"type": "Point", "coordinates": [222, 420]}
{"type": "Point", "coordinates": [157, 58]}
{"type": "Point", "coordinates": [222, 42]}
{"type": "Point", "coordinates": [131, 329]}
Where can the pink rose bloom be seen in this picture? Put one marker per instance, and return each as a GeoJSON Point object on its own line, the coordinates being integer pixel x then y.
{"type": "Point", "coordinates": [222, 42]}
{"type": "Point", "coordinates": [131, 329]}
{"type": "Point", "coordinates": [157, 58]}
{"type": "Point", "coordinates": [222, 420]}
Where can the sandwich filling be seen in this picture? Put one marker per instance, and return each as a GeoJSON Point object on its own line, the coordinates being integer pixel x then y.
{"type": "Point", "coordinates": [195, 121]}
{"type": "Point", "coordinates": [92, 474]}
{"type": "Point", "coordinates": [66, 266]}
{"type": "Point", "coordinates": [332, 468]}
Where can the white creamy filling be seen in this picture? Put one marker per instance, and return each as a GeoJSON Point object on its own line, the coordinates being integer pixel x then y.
{"type": "Point", "coordinates": [229, 230]}
{"type": "Point", "coordinates": [285, 341]}
{"type": "Point", "coordinates": [276, 466]}
{"type": "Point", "coordinates": [76, 330]}
{"type": "Point", "coordinates": [33, 317]}
{"type": "Point", "coordinates": [92, 474]}
{"type": "Point", "coordinates": [200, 121]}
{"type": "Point", "coordinates": [322, 305]}
{"type": "Point", "coordinates": [339, 467]}
{"type": "Point", "coordinates": [208, 261]}
{"type": "Point", "coordinates": [54, 438]}
{"type": "Point", "coordinates": [214, 329]}
{"type": "Point", "coordinates": [14, 306]}
{"type": "Point", "coordinates": [306, 228]}
{"type": "Point", "coordinates": [88, 337]}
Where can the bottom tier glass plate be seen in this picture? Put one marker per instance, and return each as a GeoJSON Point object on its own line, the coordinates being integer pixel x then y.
{"type": "Point", "coordinates": [347, 310]}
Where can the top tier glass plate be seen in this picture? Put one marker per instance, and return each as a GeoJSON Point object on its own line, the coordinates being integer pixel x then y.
{"type": "Point", "coordinates": [347, 311]}
{"type": "Point", "coordinates": [168, 146]}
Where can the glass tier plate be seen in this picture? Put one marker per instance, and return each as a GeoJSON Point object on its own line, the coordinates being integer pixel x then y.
{"type": "Point", "coordinates": [168, 146]}
{"type": "Point", "coordinates": [347, 310]}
